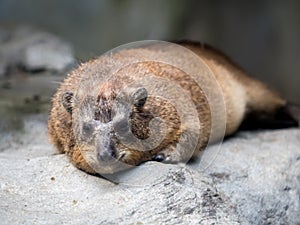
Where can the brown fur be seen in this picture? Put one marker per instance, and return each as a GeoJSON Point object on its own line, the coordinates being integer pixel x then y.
{"type": "Point", "coordinates": [241, 94]}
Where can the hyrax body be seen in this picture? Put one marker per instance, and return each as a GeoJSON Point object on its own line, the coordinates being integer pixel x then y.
{"type": "Point", "coordinates": [103, 122]}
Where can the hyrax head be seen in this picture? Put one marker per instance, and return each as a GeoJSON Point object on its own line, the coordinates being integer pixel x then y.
{"type": "Point", "coordinates": [120, 129]}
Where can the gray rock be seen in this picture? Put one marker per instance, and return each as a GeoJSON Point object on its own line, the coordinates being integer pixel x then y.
{"type": "Point", "coordinates": [255, 179]}
{"type": "Point", "coordinates": [34, 50]}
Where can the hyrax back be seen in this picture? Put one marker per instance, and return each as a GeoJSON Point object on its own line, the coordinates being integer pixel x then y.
{"type": "Point", "coordinates": [107, 123]}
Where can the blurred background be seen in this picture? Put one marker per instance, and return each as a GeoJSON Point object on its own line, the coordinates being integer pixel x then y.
{"type": "Point", "coordinates": [261, 36]}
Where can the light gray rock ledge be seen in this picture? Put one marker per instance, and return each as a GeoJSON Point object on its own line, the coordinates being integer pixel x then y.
{"type": "Point", "coordinates": [255, 179]}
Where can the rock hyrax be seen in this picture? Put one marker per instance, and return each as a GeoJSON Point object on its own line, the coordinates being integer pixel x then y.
{"type": "Point", "coordinates": [104, 115]}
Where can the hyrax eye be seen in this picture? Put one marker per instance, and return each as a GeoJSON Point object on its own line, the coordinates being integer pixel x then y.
{"type": "Point", "coordinates": [140, 97]}
{"type": "Point", "coordinates": [121, 126]}
{"type": "Point", "coordinates": [88, 129]}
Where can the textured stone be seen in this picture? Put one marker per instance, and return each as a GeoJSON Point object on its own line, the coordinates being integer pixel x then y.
{"type": "Point", "coordinates": [254, 179]}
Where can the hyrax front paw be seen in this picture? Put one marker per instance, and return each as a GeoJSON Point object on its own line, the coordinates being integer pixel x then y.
{"type": "Point", "coordinates": [168, 155]}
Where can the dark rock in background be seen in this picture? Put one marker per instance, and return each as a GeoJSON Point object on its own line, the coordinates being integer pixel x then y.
{"type": "Point", "coordinates": [33, 50]}
{"type": "Point", "coordinates": [32, 63]}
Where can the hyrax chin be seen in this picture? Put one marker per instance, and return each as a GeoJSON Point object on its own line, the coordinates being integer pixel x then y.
{"type": "Point", "coordinates": [141, 104]}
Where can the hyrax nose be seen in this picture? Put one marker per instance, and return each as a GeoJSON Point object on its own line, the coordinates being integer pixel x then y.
{"type": "Point", "coordinates": [107, 153]}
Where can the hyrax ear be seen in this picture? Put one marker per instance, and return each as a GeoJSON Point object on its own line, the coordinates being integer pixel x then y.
{"type": "Point", "coordinates": [139, 97]}
{"type": "Point", "coordinates": [67, 100]}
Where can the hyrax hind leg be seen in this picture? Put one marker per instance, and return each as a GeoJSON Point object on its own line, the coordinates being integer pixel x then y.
{"type": "Point", "coordinates": [266, 109]}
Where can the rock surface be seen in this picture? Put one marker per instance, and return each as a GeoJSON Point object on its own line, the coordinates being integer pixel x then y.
{"type": "Point", "coordinates": [255, 179]}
